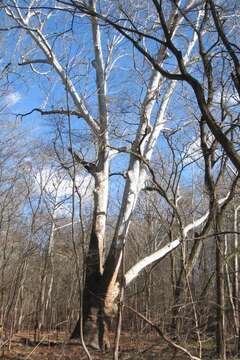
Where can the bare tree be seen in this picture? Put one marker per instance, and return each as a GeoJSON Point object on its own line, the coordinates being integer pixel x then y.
{"type": "Point", "coordinates": [172, 59]}
{"type": "Point", "coordinates": [135, 35]}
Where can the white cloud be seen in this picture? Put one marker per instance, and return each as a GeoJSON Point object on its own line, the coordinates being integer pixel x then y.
{"type": "Point", "coordinates": [13, 98]}
{"type": "Point", "coordinates": [228, 99]}
{"type": "Point", "coordinates": [58, 185]}
{"type": "Point", "coordinates": [10, 100]}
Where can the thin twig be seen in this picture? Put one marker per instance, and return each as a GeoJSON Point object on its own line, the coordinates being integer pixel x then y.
{"type": "Point", "coordinates": [164, 336]}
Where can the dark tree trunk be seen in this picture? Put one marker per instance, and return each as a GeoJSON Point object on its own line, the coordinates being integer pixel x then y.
{"type": "Point", "coordinates": [95, 322]}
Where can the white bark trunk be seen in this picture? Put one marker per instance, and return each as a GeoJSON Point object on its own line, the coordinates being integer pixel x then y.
{"type": "Point", "coordinates": [147, 137]}
{"type": "Point", "coordinates": [136, 173]}
{"type": "Point", "coordinates": [100, 204]}
{"type": "Point", "coordinates": [102, 174]}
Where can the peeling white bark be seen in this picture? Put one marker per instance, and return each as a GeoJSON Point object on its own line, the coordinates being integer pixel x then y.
{"type": "Point", "coordinates": [100, 204]}
{"type": "Point", "coordinates": [135, 177]}
{"type": "Point", "coordinates": [147, 136]}
{"type": "Point", "coordinates": [137, 173]}
{"type": "Point", "coordinates": [102, 174]}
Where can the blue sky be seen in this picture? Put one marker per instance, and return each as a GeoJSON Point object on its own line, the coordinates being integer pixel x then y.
{"type": "Point", "coordinates": [126, 86]}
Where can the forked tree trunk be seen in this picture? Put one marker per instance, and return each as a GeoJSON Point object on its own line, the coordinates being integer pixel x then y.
{"type": "Point", "coordinates": [101, 285]}
{"type": "Point", "coordinates": [99, 302]}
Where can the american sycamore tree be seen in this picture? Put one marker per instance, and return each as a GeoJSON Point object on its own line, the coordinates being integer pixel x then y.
{"type": "Point", "coordinates": [122, 78]}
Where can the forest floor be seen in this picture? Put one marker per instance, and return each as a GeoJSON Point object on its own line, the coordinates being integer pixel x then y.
{"type": "Point", "coordinates": [57, 346]}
